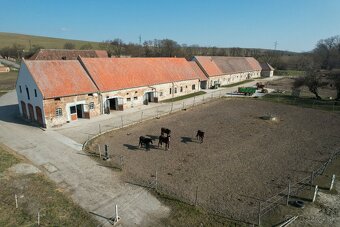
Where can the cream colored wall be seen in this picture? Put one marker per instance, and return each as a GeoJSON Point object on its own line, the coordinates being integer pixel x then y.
{"type": "Point", "coordinates": [233, 78]}
{"type": "Point", "coordinates": [162, 91]}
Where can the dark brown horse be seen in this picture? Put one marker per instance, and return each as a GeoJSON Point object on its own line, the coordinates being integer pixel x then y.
{"type": "Point", "coordinates": [165, 131]}
{"type": "Point", "coordinates": [145, 141]}
{"type": "Point", "coordinates": [164, 139]}
{"type": "Point", "coordinates": [200, 136]}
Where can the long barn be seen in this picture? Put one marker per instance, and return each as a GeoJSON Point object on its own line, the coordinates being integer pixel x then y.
{"type": "Point", "coordinates": [54, 92]}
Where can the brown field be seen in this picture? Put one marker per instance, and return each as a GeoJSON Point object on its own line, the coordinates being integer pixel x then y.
{"type": "Point", "coordinates": [243, 159]}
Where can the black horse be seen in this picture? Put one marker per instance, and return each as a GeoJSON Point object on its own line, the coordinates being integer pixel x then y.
{"type": "Point", "coordinates": [200, 135]}
{"type": "Point", "coordinates": [145, 141]}
{"type": "Point", "coordinates": [164, 139]}
{"type": "Point", "coordinates": [165, 131]}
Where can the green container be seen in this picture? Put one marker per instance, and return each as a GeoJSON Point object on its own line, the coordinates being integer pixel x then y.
{"type": "Point", "coordinates": [247, 90]}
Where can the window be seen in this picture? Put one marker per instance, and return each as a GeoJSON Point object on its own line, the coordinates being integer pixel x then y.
{"type": "Point", "coordinates": [170, 91]}
{"type": "Point", "coordinates": [135, 92]}
{"type": "Point", "coordinates": [186, 86]}
{"type": "Point", "coordinates": [59, 112]}
{"type": "Point", "coordinates": [175, 90]}
{"type": "Point", "coordinates": [91, 105]}
{"type": "Point", "coordinates": [28, 93]}
{"type": "Point", "coordinates": [128, 99]}
{"type": "Point", "coordinates": [193, 87]}
{"type": "Point", "coordinates": [73, 110]}
{"type": "Point", "coordinates": [181, 89]}
{"type": "Point", "coordinates": [127, 93]}
{"type": "Point", "coordinates": [91, 94]}
{"type": "Point", "coordinates": [57, 99]}
{"type": "Point", "coordinates": [20, 89]}
{"type": "Point", "coordinates": [135, 98]}
{"type": "Point", "coordinates": [35, 93]}
{"type": "Point", "coordinates": [161, 93]}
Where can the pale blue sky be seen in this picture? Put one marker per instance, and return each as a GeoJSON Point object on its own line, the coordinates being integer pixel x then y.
{"type": "Point", "coordinates": [295, 24]}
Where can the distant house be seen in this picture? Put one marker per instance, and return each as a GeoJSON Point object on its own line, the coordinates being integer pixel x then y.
{"type": "Point", "coordinates": [52, 93]}
{"type": "Point", "coordinates": [227, 70]}
{"type": "Point", "coordinates": [129, 82]}
{"type": "Point", "coordinates": [267, 70]}
{"type": "Point", "coordinates": [62, 54]}
{"type": "Point", "coordinates": [4, 69]}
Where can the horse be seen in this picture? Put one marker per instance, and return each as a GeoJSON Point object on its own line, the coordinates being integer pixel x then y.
{"type": "Point", "coordinates": [165, 131]}
{"type": "Point", "coordinates": [164, 139]}
{"type": "Point", "coordinates": [145, 141]}
{"type": "Point", "coordinates": [200, 135]}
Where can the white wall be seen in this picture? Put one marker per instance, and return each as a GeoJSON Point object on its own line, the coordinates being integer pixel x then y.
{"type": "Point", "coordinates": [26, 80]}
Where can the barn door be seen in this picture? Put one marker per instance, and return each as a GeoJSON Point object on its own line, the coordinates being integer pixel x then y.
{"type": "Point", "coordinates": [31, 112]}
{"type": "Point", "coordinates": [39, 115]}
{"type": "Point", "coordinates": [24, 110]}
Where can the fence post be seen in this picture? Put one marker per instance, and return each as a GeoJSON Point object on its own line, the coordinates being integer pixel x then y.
{"type": "Point", "coordinates": [333, 106]}
{"type": "Point", "coordinates": [315, 192]}
{"type": "Point", "coordinates": [183, 105]}
{"type": "Point", "coordinates": [100, 153]}
{"type": "Point", "coordinates": [121, 161]}
{"type": "Point", "coordinates": [172, 106]}
{"type": "Point", "coordinates": [141, 117]}
{"type": "Point", "coordinates": [16, 200]}
{"type": "Point", "coordinates": [288, 193]}
{"type": "Point", "coordinates": [259, 215]}
{"type": "Point", "coordinates": [38, 218]}
{"type": "Point", "coordinates": [332, 182]}
{"type": "Point", "coordinates": [121, 117]}
{"type": "Point", "coordinates": [196, 196]}
{"type": "Point", "coordinates": [157, 114]}
{"type": "Point", "coordinates": [203, 98]}
{"type": "Point", "coordinates": [100, 129]}
{"type": "Point", "coordinates": [193, 104]}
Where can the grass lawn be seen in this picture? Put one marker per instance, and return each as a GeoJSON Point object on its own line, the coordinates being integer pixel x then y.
{"type": "Point", "coordinates": [35, 193]}
{"type": "Point", "coordinates": [289, 73]}
{"type": "Point", "coordinates": [238, 83]}
{"type": "Point", "coordinates": [303, 101]}
{"type": "Point", "coordinates": [185, 96]}
{"type": "Point", "coordinates": [7, 81]}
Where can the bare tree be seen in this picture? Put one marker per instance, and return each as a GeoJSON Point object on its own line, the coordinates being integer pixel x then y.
{"type": "Point", "coordinates": [312, 80]}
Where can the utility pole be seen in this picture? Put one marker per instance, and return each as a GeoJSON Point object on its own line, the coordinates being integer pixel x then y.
{"type": "Point", "coordinates": [275, 45]}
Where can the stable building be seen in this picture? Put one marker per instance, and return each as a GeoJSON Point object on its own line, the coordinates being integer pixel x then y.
{"type": "Point", "coordinates": [52, 93]}
{"type": "Point", "coordinates": [227, 70]}
{"type": "Point", "coordinates": [129, 82]}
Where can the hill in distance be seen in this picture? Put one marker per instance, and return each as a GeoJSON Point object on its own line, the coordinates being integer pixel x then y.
{"type": "Point", "coordinates": [8, 39]}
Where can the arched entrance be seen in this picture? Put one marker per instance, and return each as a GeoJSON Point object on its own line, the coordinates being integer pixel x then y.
{"type": "Point", "coordinates": [39, 115]}
{"type": "Point", "coordinates": [23, 108]}
{"type": "Point", "coordinates": [31, 112]}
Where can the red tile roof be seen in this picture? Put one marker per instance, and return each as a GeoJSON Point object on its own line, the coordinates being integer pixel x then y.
{"type": "Point", "coordinates": [198, 71]}
{"type": "Point", "coordinates": [219, 65]}
{"type": "Point", "coordinates": [60, 78]}
{"type": "Point", "coordinates": [112, 74]}
{"type": "Point", "coordinates": [62, 54]}
{"type": "Point", "coordinates": [208, 65]}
